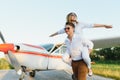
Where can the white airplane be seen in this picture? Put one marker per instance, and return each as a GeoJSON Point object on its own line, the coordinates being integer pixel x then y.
{"type": "Point", "coordinates": [31, 58]}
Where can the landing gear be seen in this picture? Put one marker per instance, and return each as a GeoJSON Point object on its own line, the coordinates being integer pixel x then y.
{"type": "Point", "coordinates": [32, 74]}
{"type": "Point", "coordinates": [22, 76]}
{"type": "Point", "coordinates": [24, 72]}
{"type": "Point", "coordinates": [24, 69]}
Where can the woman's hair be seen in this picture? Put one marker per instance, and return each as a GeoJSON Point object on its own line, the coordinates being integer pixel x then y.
{"type": "Point", "coordinates": [71, 24]}
{"type": "Point", "coordinates": [69, 17]}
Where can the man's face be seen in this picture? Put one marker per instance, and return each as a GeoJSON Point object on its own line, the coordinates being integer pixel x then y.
{"type": "Point", "coordinates": [69, 29]}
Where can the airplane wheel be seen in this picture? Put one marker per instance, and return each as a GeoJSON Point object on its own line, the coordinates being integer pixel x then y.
{"type": "Point", "coordinates": [21, 79]}
{"type": "Point", "coordinates": [32, 74]}
{"type": "Point", "coordinates": [22, 76]}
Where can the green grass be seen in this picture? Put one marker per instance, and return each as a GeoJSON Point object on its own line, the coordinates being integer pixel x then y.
{"type": "Point", "coordinates": [4, 64]}
{"type": "Point", "coordinates": [107, 69]}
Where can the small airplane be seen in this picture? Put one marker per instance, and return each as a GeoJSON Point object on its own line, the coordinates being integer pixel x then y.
{"type": "Point", "coordinates": [32, 58]}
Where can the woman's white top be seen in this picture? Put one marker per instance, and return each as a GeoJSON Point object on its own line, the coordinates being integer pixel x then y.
{"type": "Point", "coordinates": [78, 28]}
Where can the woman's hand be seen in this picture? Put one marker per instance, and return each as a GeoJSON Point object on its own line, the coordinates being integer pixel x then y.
{"type": "Point", "coordinates": [108, 26]}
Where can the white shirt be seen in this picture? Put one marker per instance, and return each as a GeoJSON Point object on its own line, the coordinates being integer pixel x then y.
{"type": "Point", "coordinates": [74, 47]}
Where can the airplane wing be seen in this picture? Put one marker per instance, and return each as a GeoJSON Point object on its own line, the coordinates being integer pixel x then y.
{"type": "Point", "coordinates": [102, 37]}
{"type": "Point", "coordinates": [106, 42]}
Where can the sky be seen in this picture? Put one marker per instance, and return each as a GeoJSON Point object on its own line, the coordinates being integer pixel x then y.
{"type": "Point", "coordinates": [32, 21]}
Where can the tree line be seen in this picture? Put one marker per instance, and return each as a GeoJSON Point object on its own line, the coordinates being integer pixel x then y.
{"type": "Point", "coordinates": [112, 53]}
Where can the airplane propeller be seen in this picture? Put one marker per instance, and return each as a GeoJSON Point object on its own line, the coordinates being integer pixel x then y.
{"type": "Point", "coordinates": [12, 58]}
{"type": "Point", "coordinates": [2, 38]}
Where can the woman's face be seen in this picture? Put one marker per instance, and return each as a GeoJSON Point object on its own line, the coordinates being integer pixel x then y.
{"type": "Point", "coordinates": [72, 18]}
{"type": "Point", "coordinates": [69, 29]}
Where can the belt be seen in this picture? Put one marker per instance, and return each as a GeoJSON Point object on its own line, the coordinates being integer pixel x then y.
{"type": "Point", "coordinates": [77, 60]}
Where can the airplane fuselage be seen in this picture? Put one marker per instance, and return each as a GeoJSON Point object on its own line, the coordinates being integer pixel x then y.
{"type": "Point", "coordinates": [35, 57]}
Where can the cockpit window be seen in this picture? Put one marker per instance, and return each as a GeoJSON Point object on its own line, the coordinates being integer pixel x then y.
{"type": "Point", "coordinates": [60, 50]}
{"type": "Point", "coordinates": [48, 47]}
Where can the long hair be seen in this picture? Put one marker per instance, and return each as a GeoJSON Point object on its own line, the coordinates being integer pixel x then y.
{"type": "Point", "coordinates": [68, 18]}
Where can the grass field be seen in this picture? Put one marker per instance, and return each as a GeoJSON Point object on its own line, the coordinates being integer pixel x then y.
{"type": "Point", "coordinates": [107, 69]}
{"type": "Point", "coordinates": [4, 64]}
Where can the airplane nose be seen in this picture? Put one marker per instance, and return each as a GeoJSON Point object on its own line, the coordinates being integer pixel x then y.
{"type": "Point", "coordinates": [6, 47]}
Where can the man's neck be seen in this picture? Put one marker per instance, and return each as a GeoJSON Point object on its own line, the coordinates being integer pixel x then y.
{"type": "Point", "coordinates": [70, 37]}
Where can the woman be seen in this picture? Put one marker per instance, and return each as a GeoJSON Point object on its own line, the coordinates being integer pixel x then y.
{"type": "Point", "coordinates": [79, 26]}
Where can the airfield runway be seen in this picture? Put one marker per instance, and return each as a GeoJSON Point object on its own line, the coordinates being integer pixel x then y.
{"type": "Point", "coordinates": [44, 75]}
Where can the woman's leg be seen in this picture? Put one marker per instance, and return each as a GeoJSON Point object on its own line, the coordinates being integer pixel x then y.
{"type": "Point", "coordinates": [86, 57]}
